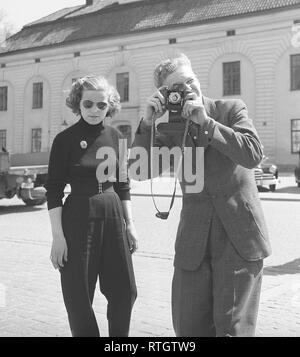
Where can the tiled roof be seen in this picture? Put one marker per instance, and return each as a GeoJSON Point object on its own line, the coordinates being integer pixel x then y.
{"type": "Point", "coordinates": [75, 11]}
{"type": "Point", "coordinates": [107, 18]}
{"type": "Point", "coordinates": [60, 14]}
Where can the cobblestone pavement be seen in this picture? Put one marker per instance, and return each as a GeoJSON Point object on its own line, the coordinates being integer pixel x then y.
{"type": "Point", "coordinates": [30, 297]}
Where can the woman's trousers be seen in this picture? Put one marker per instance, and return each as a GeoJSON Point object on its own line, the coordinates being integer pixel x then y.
{"type": "Point", "coordinates": [98, 248]}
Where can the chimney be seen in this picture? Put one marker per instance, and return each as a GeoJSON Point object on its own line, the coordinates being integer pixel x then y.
{"type": "Point", "coordinates": [88, 2]}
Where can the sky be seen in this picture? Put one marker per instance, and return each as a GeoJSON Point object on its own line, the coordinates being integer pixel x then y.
{"type": "Point", "coordinates": [21, 12]}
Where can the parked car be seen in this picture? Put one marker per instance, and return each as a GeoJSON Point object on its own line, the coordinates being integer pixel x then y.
{"type": "Point", "coordinates": [26, 182]}
{"type": "Point", "coordinates": [297, 176]}
{"type": "Point", "coordinates": [266, 174]}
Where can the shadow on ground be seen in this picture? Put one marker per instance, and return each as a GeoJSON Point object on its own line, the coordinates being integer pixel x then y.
{"type": "Point", "coordinates": [292, 267]}
{"type": "Point", "coordinates": [289, 189]}
{"type": "Point", "coordinates": [286, 189]}
{"type": "Point", "coordinates": [19, 209]}
{"type": "Point", "coordinates": [263, 189]}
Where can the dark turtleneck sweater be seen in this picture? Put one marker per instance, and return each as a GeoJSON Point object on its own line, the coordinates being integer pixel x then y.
{"type": "Point", "coordinates": [73, 160]}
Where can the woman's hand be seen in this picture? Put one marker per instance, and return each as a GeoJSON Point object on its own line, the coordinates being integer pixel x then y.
{"type": "Point", "coordinates": [131, 237]}
{"type": "Point", "coordinates": [155, 106]}
{"type": "Point", "coordinates": [59, 251]}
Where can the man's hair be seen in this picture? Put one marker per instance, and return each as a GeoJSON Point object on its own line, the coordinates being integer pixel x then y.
{"type": "Point", "coordinates": [168, 66]}
{"type": "Point", "coordinates": [93, 83]}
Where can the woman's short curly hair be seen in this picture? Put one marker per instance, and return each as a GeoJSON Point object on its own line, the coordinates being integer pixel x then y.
{"type": "Point", "coordinates": [93, 83]}
{"type": "Point", "coordinates": [168, 66]}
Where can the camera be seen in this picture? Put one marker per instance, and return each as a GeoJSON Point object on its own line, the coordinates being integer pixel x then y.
{"type": "Point", "coordinates": [174, 99]}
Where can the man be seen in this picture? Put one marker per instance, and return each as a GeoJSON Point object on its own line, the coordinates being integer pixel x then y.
{"type": "Point", "coordinates": [222, 237]}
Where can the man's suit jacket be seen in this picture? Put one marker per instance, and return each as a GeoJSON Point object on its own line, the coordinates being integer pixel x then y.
{"type": "Point", "coordinates": [231, 150]}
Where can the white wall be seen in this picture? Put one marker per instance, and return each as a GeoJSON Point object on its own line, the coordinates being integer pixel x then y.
{"type": "Point", "coordinates": [36, 118]}
{"type": "Point", "coordinates": [287, 107]}
{"type": "Point", "coordinates": [215, 85]}
{"type": "Point", "coordinates": [130, 110]}
{"type": "Point", "coordinates": [7, 117]}
{"type": "Point", "coordinates": [262, 44]}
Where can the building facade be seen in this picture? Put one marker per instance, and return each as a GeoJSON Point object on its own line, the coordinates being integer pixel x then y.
{"type": "Point", "coordinates": [252, 56]}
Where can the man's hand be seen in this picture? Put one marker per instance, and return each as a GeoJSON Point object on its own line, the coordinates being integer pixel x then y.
{"type": "Point", "coordinates": [194, 109]}
{"type": "Point", "coordinates": [155, 107]}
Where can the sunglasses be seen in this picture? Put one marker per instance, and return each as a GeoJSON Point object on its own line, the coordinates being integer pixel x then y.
{"type": "Point", "coordinates": [88, 104]}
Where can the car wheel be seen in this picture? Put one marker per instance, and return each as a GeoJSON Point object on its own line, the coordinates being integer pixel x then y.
{"type": "Point", "coordinates": [35, 202]}
{"type": "Point", "coordinates": [272, 188]}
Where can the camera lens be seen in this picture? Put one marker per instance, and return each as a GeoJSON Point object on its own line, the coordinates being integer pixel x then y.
{"type": "Point", "coordinates": [174, 97]}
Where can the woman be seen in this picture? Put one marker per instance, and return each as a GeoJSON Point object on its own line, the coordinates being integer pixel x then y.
{"type": "Point", "coordinates": [93, 231]}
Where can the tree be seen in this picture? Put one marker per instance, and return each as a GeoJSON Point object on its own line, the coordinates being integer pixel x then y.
{"type": "Point", "coordinates": [7, 29]}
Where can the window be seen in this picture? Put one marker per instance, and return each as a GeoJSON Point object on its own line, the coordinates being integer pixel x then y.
{"type": "Point", "coordinates": [230, 33]}
{"type": "Point", "coordinates": [295, 72]}
{"type": "Point", "coordinates": [37, 95]}
{"type": "Point", "coordinates": [3, 98]}
{"type": "Point", "coordinates": [295, 135]}
{"type": "Point", "coordinates": [125, 129]}
{"type": "Point", "coordinates": [36, 140]}
{"type": "Point", "coordinates": [2, 139]}
{"type": "Point", "coordinates": [231, 78]}
{"type": "Point", "coordinates": [123, 86]}
{"type": "Point", "coordinates": [172, 41]}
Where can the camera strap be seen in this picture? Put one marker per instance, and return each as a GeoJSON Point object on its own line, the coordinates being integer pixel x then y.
{"type": "Point", "coordinates": [159, 214]}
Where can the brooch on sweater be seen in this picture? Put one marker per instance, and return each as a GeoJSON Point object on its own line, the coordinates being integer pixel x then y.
{"type": "Point", "coordinates": [83, 144]}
